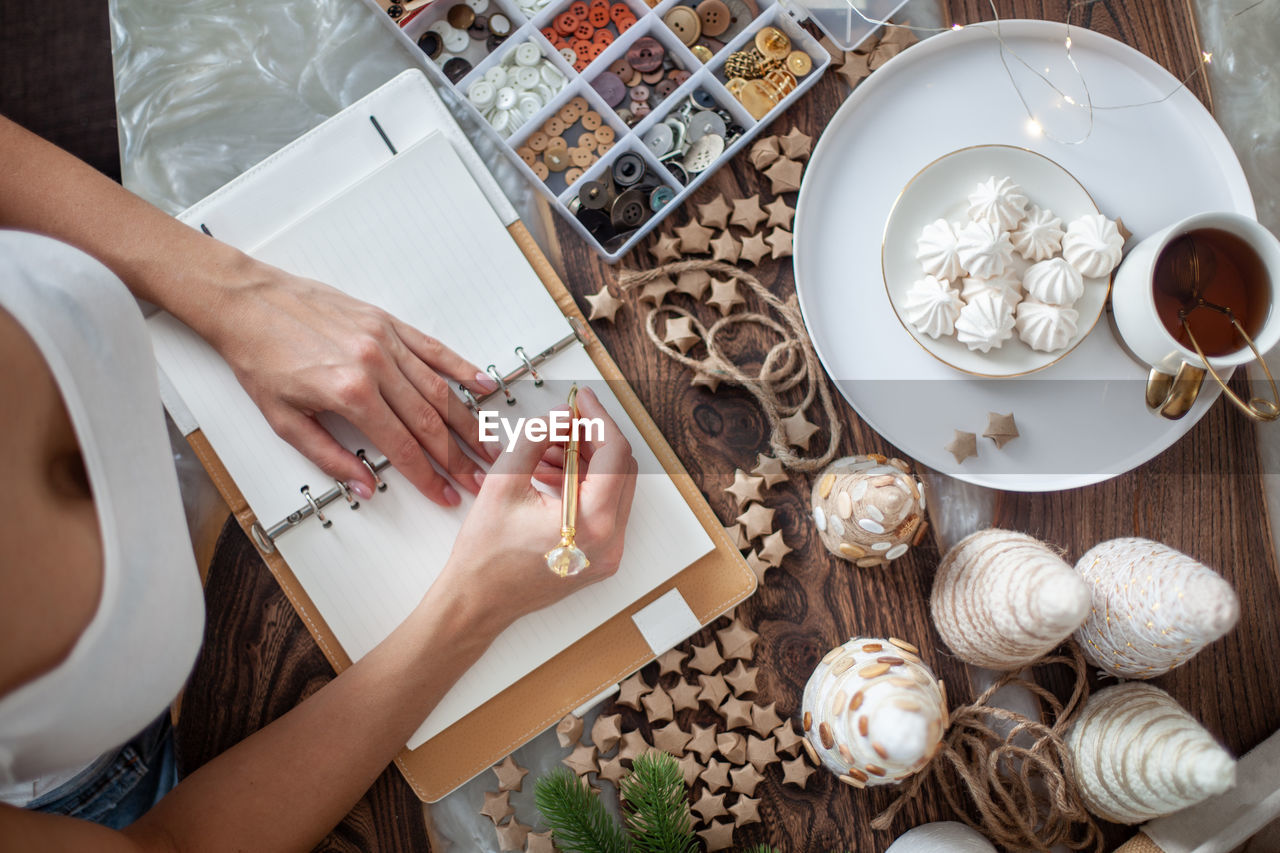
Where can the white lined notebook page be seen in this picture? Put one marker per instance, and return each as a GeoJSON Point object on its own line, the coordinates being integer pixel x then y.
{"type": "Point", "coordinates": [418, 239]}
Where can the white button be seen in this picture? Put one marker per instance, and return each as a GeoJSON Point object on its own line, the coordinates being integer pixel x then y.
{"type": "Point", "coordinates": [529, 105]}
{"type": "Point", "coordinates": [478, 6]}
{"type": "Point", "coordinates": [552, 76]}
{"type": "Point", "coordinates": [482, 94]}
{"type": "Point", "coordinates": [568, 55]}
{"type": "Point", "coordinates": [545, 92]}
{"type": "Point", "coordinates": [703, 153]}
{"type": "Point", "coordinates": [441, 28]}
{"type": "Point", "coordinates": [525, 78]}
{"type": "Point", "coordinates": [528, 54]}
{"type": "Point", "coordinates": [506, 98]}
{"type": "Point", "coordinates": [704, 123]}
{"type": "Point", "coordinates": [501, 120]}
{"type": "Point", "coordinates": [456, 41]}
{"type": "Point", "coordinates": [497, 75]}
{"type": "Point", "coordinates": [659, 139]}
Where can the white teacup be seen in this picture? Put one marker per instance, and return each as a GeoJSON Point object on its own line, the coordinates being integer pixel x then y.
{"type": "Point", "coordinates": [1176, 371]}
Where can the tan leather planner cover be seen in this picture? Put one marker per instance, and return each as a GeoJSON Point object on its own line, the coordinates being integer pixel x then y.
{"type": "Point", "coordinates": [710, 586]}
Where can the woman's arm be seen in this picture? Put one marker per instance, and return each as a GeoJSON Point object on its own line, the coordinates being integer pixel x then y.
{"type": "Point", "coordinates": [286, 786]}
{"type": "Point", "coordinates": [299, 347]}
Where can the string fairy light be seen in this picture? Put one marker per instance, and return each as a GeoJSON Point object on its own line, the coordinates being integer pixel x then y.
{"type": "Point", "coordinates": [1034, 126]}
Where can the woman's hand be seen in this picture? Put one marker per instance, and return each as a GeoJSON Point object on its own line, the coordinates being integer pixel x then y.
{"type": "Point", "coordinates": [498, 567]}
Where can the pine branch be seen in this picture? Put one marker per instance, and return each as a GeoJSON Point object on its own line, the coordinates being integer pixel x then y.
{"type": "Point", "coordinates": [577, 817]}
{"type": "Point", "coordinates": [656, 805]}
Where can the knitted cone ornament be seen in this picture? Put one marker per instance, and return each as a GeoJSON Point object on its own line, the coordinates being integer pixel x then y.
{"type": "Point", "coordinates": [1138, 755]}
{"type": "Point", "coordinates": [1003, 600]}
{"type": "Point", "coordinates": [1153, 607]}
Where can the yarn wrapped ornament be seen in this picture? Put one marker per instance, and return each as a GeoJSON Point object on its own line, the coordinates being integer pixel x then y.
{"type": "Point", "coordinates": [1003, 599]}
{"type": "Point", "coordinates": [873, 712]}
{"type": "Point", "coordinates": [868, 510]}
{"type": "Point", "coordinates": [1153, 607]}
{"type": "Point", "coordinates": [1138, 755]}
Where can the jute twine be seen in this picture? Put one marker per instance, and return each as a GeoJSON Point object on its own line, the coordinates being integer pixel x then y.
{"type": "Point", "coordinates": [1022, 784]}
{"type": "Point", "coordinates": [788, 364]}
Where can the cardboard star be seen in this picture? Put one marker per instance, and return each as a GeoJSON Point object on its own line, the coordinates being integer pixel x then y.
{"type": "Point", "coordinates": [780, 243]}
{"type": "Point", "coordinates": [612, 769]}
{"type": "Point", "coordinates": [795, 144]}
{"type": "Point", "coordinates": [784, 176]}
{"type": "Point", "coordinates": [882, 54]}
{"type": "Point", "coordinates": [497, 806]}
{"type": "Point", "coordinates": [569, 730]}
{"type": "Point", "coordinates": [753, 249]}
{"type": "Point", "coordinates": [716, 775]}
{"type": "Point", "coordinates": [732, 746]}
{"type": "Point", "coordinates": [855, 69]}
{"type": "Point", "coordinates": [706, 659]}
{"type": "Point", "coordinates": [964, 445]}
{"type": "Point", "coordinates": [771, 469]}
{"type": "Point", "coordinates": [511, 775]}
{"type": "Point", "coordinates": [606, 731]}
{"type": "Point", "coordinates": [630, 692]}
{"type": "Point", "coordinates": [656, 291]}
{"type": "Point", "coordinates": [747, 213]}
{"type": "Point", "coordinates": [761, 752]}
{"type": "Point", "coordinates": [680, 334]}
{"type": "Point", "coordinates": [658, 706]}
{"type": "Point", "coordinates": [745, 488]}
{"type": "Point", "coordinates": [736, 712]}
{"type": "Point", "coordinates": [738, 641]}
{"type": "Point", "coordinates": [724, 296]}
{"type": "Point", "coordinates": [604, 305]}
{"type": "Point", "coordinates": [899, 34]}
{"type": "Point", "coordinates": [695, 238]}
{"type": "Point", "coordinates": [710, 381]}
{"type": "Point", "coordinates": [764, 152]}
{"type": "Point", "coordinates": [684, 696]}
{"type": "Point", "coordinates": [669, 661]}
{"type": "Point", "coordinates": [745, 779]}
{"type": "Point", "coordinates": [869, 42]}
{"type": "Point", "coordinates": [690, 767]}
{"type": "Point", "coordinates": [746, 810]}
{"type": "Point", "coordinates": [717, 836]}
{"type": "Point", "coordinates": [632, 744]}
{"type": "Point", "coordinates": [726, 248]}
{"type": "Point", "coordinates": [710, 806]}
{"type": "Point", "coordinates": [743, 680]}
{"type": "Point", "coordinates": [734, 532]}
{"type": "Point", "coordinates": [758, 566]}
{"type": "Point", "coordinates": [781, 214]}
{"type": "Point", "coordinates": [764, 718]}
{"type": "Point", "coordinates": [665, 249]}
{"type": "Point", "coordinates": [715, 213]}
{"type": "Point", "coordinates": [511, 835]}
{"type": "Point", "coordinates": [796, 772]}
{"type": "Point", "coordinates": [693, 283]}
{"type": "Point", "coordinates": [798, 430]}
{"type": "Point", "coordinates": [540, 842]}
{"type": "Point", "coordinates": [702, 740]}
{"type": "Point", "coordinates": [713, 690]}
{"type": "Point", "coordinates": [1001, 429]}
{"type": "Point", "coordinates": [833, 50]}
{"type": "Point", "coordinates": [671, 739]}
{"type": "Point", "coordinates": [582, 760]}
{"type": "Point", "coordinates": [757, 520]}
{"type": "Point", "coordinates": [787, 738]}
{"type": "Point", "coordinates": [773, 549]}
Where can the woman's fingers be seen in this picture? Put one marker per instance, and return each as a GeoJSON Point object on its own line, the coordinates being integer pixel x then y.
{"type": "Point", "coordinates": [609, 473]}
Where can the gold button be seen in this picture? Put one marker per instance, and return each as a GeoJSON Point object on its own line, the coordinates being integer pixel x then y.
{"type": "Point", "coordinates": [773, 43]}
{"type": "Point", "coordinates": [799, 63]}
{"type": "Point", "coordinates": [758, 97]}
{"type": "Point", "coordinates": [734, 85]}
{"type": "Point", "coordinates": [461, 16]}
{"type": "Point", "coordinates": [703, 53]}
{"type": "Point", "coordinates": [684, 22]}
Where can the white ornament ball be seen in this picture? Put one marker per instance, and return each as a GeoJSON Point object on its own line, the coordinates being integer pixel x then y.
{"type": "Point", "coordinates": [869, 510]}
{"type": "Point", "coordinates": [946, 836]}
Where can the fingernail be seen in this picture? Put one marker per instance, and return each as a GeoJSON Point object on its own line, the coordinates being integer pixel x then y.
{"type": "Point", "coordinates": [451, 496]}
{"type": "Point", "coordinates": [486, 382]}
{"type": "Point", "coordinates": [360, 489]}
{"type": "Point", "coordinates": [479, 476]}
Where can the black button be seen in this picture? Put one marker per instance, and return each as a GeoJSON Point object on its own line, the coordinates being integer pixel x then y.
{"type": "Point", "coordinates": [594, 195]}
{"type": "Point", "coordinates": [430, 43]}
{"type": "Point", "coordinates": [457, 68]}
{"type": "Point", "coordinates": [395, 10]}
{"type": "Point", "coordinates": [629, 211]}
{"type": "Point", "coordinates": [628, 169]}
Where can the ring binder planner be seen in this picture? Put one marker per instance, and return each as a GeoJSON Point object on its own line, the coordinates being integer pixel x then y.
{"type": "Point", "coordinates": [314, 507]}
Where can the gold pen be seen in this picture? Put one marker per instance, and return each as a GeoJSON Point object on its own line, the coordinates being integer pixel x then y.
{"type": "Point", "coordinates": [566, 559]}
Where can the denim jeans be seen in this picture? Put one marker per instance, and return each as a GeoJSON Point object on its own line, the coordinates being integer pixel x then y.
{"type": "Point", "coordinates": [120, 788]}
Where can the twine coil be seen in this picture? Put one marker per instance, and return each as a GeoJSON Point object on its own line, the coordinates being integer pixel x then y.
{"type": "Point", "coordinates": [1022, 784]}
{"type": "Point", "coordinates": [788, 364]}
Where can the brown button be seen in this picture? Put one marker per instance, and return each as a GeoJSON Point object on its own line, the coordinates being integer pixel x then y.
{"type": "Point", "coordinates": [684, 22]}
{"type": "Point", "coordinates": [646, 54]}
{"type": "Point", "coordinates": [568, 115]}
{"type": "Point", "coordinates": [579, 105]}
{"type": "Point", "coordinates": [461, 16]}
{"type": "Point", "coordinates": [557, 159]}
{"type": "Point", "coordinates": [527, 154]}
{"type": "Point", "coordinates": [604, 147]}
{"type": "Point", "coordinates": [591, 120]}
{"type": "Point", "coordinates": [581, 157]}
{"type": "Point", "coordinates": [622, 68]}
{"type": "Point", "coordinates": [715, 17]}
{"type": "Point", "coordinates": [586, 141]}
{"type": "Point", "coordinates": [571, 176]}
{"type": "Point", "coordinates": [540, 169]}
{"type": "Point", "coordinates": [554, 126]}
{"type": "Point", "coordinates": [653, 78]}
{"type": "Point", "coordinates": [604, 135]}
{"type": "Point", "coordinates": [538, 141]}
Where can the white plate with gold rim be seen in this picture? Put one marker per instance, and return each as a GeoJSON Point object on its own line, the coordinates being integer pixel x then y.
{"type": "Point", "coordinates": [940, 191]}
{"type": "Point", "coordinates": [1083, 419]}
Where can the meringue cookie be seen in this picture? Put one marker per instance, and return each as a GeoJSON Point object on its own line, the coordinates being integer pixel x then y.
{"type": "Point", "coordinates": [1006, 284]}
{"type": "Point", "coordinates": [936, 250]}
{"type": "Point", "coordinates": [985, 323]}
{"type": "Point", "coordinates": [932, 306]}
{"type": "Point", "coordinates": [984, 250]}
{"type": "Point", "coordinates": [1054, 282]}
{"type": "Point", "coordinates": [998, 202]}
{"type": "Point", "coordinates": [1046, 328]}
{"type": "Point", "coordinates": [1093, 245]}
{"type": "Point", "coordinates": [1039, 236]}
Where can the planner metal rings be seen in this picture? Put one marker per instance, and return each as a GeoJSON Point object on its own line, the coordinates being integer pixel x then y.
{"type": "Point", "coordinates": [315, 507]}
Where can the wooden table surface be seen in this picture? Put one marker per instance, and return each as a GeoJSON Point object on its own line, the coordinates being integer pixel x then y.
{"type": "Point", "coordinates": [1203, 496]}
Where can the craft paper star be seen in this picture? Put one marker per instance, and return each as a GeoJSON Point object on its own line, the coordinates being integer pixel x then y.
{"type": "Point", "coordinates": [964, 445]}
{"type": "Point", "coordinates": [693, 283]}
{"type": "Point", "coordinates": [761, 752]}
{"type": "Point", "coordinates": [784, 176]}
{"type": "Point", "coordinates": [703, 741]}
{"type": "Point", "coordinates": [656, 291]}
{"type": "Point", "coordinates": [658, 706]}
{"type": "Point", "coordinates": [795, 144]}
{"type": "Point", "coordinates": [710, 806]}
{"type": "Point", "coordinates": [540, 842]}
{"type": "Point", "coordinates": [732, 746]}
{"type": "Point", "coordinates": [630, 692]}
{"type": "Point", "coordinates": [511, 775]}
{"type": "Point", "coordinates": [773, 549]}
{"type": "Point", "coordinates": [799, 430]}
{"type": "Point", "coordinates": [582, 760]}
{"type": "Point", "coordinates": [715, 213]}
{"type": "Point", "coordinates": [497, 806]}
{"type": "Point", "coordinates": [753, 249]}
{"type": "Point", "coordinates": [612, 769]}
{"type": "Point", "coordinates": [665, 249]}
{"type": "Point", "coordinates": [899, 34]}
{"type": "Point", "coordinates": [833, 50]}
{"type": "Point", "coordinates": [716, 775]}
{"type": "Point", "coordinates": [854, 69]}
{"type": "Point", "coordinates": [671, 739]}
{"type": "Point", "coordinates": [713, 690]}
{"type": "Point", "coordinates": [746, 810]}
{"type": "Point", "coordinates": [747, 213]}
{"type": "Point", "coordinates": [717, 836]}
{"type": "Point", "coordinates": [757, 566]}
{"type": "Point", "coordinates": [764, 152]}
{"type": "Point", "coordinates": [604, 305]}
{"type": "Point", "coordinates": [787, 738]}
{"type": "Point", "coordinates": [757, 520]}
{"type": "Point", "coordinates": [632, 744]}
{"type": "Point", "coordinates": [670, 661]}
{"type": "Point", "coordinates": [706, 659]}
{"type": "Point", "coordinates": [771, 469]}
{"type": "Point", "coordinates": [734, 532]}
{"type": "Point", "coordinates": [781, 214]}
{"type": "Point", "coordinates": [764, 718]}
{"type": "Point", "coordinates": [743, 680]}
{"type": "Point", "coordinates": [780, 245]}
{"type": "Point", "coordinates": [724, 296]}
{"type": "Point", "coordinates": [569, 730]}
{"type": "Point", "coordinates": [606, 731]}
{"type": "Point", "coordinates": [680, 334]}
{"type": "Point", "coordinates": [796, 772]}
{"type": "Point", "coordinates": [726, 248]}
{"type": "Point", "coordinates": [1001, 429]}
{"type": "Point", "coordinates": [868, 43]}
{"type": "Point", "coordinates": [745, 488]}
{"type": "Point", "coordinates": [736, 712]}
{"type": "Point", "coordinates": [737, 639]}
{"type": "Point", "coordinates": [745, 779]}
{"type": "Point", "coordinates": [710, 381]}
{"type": "Point", "coordinates": [882, 54]}
{"type": "Point", "coordinates": [695, 238]}
{"type": "Point", "coordinates": [512, 835]}
{"type": "Point", "coordinates": [684, 696]}
{"type": "Point", "coordinates": [690, 767]}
